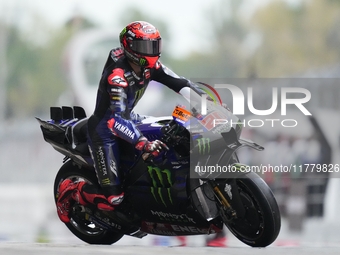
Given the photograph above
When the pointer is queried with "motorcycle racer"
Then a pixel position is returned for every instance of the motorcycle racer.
(125, 77)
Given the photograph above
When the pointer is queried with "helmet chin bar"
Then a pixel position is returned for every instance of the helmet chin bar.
(151, 61)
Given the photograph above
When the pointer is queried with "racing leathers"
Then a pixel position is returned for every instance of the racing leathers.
(119, 91)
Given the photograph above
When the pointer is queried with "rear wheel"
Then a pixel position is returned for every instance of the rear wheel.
(80, 224)
(260, 223)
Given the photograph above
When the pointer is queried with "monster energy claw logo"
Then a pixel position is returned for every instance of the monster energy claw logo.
(157, 174)
(106, 181)
(139, 94)
(142, 61)
(203, 145)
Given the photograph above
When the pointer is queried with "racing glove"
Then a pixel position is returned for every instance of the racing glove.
(152, 149)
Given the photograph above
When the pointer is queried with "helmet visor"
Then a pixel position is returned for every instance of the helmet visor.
(147, 47)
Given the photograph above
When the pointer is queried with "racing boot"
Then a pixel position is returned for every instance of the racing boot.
(83, 193)
(68, 192)
(91, 194)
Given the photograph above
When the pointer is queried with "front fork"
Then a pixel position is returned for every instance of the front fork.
(226, 210)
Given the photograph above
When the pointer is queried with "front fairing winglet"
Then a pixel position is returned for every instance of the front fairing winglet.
(251, 144)
(234, 142)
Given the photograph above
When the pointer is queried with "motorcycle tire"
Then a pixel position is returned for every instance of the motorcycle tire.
(84, 229)
(260, 225)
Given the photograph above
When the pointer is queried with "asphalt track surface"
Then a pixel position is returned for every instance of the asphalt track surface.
(84, 249)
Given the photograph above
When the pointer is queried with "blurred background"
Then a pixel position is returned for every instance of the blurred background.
(52, 54)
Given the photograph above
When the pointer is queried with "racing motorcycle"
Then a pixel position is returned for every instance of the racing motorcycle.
(173, 194)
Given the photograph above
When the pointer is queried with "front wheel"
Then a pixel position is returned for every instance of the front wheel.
(80, 225)
(260, 222)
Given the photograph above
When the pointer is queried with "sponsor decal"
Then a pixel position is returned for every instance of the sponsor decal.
(127, 74)
(139, 94)
(172, 229)
(162, 232)
(120, 95)
(203, 145)
(113, 167)
(116, 90)
(125, 130)
(157, 176)
(189, 229)
(116, 200)
(117, 103)
(132, 56)
(97, 221)
(209, 121)
(131, 33)
(116, 53)
(173, 217)
(101, 160)
(108, 221)
(117, 78)
(142, 61)
(180, 162)
(181, 114)
(147, 74)
(135, 75)
(106, 181)
(130, 78)
(148, 29)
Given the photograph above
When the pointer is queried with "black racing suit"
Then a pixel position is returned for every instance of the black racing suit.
(119, 91)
